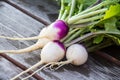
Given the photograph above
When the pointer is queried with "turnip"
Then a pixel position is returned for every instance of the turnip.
(76, 54)
(55, 31)
(51, 52)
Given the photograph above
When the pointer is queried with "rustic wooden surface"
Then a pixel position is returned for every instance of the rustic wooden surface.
(15, 23)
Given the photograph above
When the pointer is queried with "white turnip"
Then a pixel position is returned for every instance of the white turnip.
(54, 51)
(77, 54)
(56, 31)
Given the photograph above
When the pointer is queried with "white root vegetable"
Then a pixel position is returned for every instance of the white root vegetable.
(51, 52)
(55, 31)
(76, 54)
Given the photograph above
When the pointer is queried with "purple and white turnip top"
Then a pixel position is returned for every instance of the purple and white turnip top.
(55, 31)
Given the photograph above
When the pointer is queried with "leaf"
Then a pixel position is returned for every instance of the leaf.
(98, 39)
(114, 10)
(110, 24)
(87, 3)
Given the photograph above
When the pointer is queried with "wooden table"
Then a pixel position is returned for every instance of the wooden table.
(14, 22)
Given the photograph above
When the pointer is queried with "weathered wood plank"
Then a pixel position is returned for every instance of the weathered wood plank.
(14, 18)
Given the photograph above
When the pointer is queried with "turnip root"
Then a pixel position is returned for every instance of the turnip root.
(39, 44)
(17, 38)
(55, 31)
(28, 38)
(76, 54)
(51, 52)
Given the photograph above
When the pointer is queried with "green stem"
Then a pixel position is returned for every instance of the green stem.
(98, 6)
(79, 39)
(62, 9)
(85, 37)
(71, 21)
(72, 8)
(84, 24)
(89, 19)
(69, 34)
(73, 36)
(99, 46)
(80, 8)
(88, 10)
(90, 35)
(64, 15)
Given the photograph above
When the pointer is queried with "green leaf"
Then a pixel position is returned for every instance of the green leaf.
(98, 39)
(87, 3)
(114, 10)
(110, 24)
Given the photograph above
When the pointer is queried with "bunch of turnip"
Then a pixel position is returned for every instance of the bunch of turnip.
(76, 54)
(78, 24)
(54, 50)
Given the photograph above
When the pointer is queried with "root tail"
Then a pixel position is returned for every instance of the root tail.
(36, 71)
(39, 44)
(31, 68)
(17, 38)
